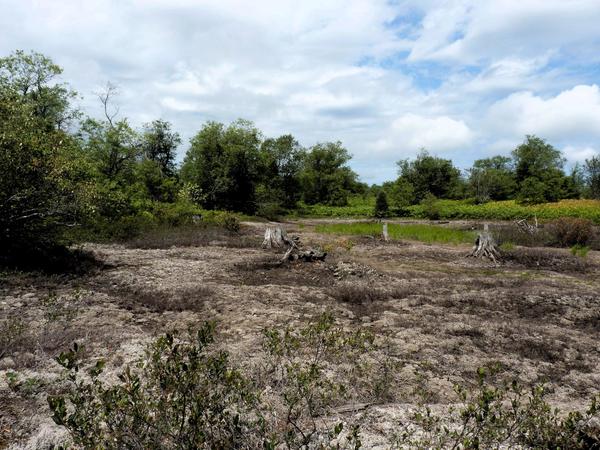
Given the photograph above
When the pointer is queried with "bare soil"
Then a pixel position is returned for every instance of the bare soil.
(442, 315)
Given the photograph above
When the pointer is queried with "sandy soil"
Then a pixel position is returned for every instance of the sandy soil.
(442, 316)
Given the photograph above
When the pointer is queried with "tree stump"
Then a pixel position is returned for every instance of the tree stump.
(385, 232)
(485, 246)
(275, 238)
(278, 238)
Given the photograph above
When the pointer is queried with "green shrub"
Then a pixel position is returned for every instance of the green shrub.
(580, 250)
(431, 209)
(381, 205)
(505, 416)
(186, 393)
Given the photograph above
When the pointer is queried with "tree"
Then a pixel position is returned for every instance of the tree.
(159, 144)
(430, 174)
(44, 184)
(492, 179)
(325, 177)
(400, 193)
(224, 164)
(592, 176)
(537, 160)
(381, 205)
(31, 78)
(281, 163)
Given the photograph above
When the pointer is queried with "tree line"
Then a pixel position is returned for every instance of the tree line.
(64, 171)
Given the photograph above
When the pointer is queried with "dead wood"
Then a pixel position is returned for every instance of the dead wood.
(485, 247)
(278, 238)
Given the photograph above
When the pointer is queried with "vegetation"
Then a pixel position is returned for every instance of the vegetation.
(69, 178)
(417, 232)
(186, 393)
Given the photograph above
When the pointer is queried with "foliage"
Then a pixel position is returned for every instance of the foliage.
(417, 232)
(492, 179)
(281, 163)
(186, 393)
(44, 187)
(430, 206)
(159, 144)
(430, 174)
(501, 416)
(580, 250)
(569, 231)
(381, 205)
(325, 176)
(592, 170)
(538, 172)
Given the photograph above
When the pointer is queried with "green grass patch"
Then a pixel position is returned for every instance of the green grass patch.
(417, 232)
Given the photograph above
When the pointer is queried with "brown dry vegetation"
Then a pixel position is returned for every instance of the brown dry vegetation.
(438, 315)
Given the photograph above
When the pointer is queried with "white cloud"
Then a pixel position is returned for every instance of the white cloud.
(579, 154)
(412, 132)
(572, 114)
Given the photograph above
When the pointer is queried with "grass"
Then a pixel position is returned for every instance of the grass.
(418, 232)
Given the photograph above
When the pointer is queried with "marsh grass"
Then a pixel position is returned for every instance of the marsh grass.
(419, 232)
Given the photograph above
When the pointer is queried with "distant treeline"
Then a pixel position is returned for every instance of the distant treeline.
(64, 173)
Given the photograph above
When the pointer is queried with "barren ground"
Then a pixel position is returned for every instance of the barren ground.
(441, 314)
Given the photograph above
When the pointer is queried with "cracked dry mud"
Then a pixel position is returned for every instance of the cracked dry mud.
(438, 311)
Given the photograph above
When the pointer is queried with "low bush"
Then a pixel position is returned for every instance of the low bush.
(570, 231)
(505, 416)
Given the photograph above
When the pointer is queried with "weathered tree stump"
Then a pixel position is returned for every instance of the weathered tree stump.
(485, 246)
(385, 232)
(278, 238)
(275, 238)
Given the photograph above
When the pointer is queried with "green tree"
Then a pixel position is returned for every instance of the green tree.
(224, 163)
(159, 144)
(44, 184)
(381, 205)
(592, 176)
(281, 163)
(400, 193)
(430, 174)
(536, 159)
(32, 79)
(492, 179)
(326, 177)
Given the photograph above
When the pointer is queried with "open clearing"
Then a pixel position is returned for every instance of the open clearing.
(440, 314)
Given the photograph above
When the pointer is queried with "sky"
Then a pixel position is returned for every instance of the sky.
(465, 79)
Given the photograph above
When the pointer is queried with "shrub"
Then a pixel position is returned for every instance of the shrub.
(580, 250)
(431, 209)
(186, 393)
(506, 416)
(381, 205)
(569, 231)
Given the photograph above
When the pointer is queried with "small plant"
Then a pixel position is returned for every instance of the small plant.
(502, 416)
(186, 394)
(507, 246)
(580, 250)
(12, 331)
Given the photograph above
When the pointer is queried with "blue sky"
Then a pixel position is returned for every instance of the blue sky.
(465, 79)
